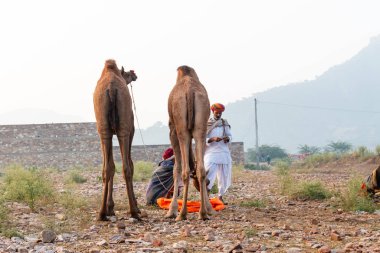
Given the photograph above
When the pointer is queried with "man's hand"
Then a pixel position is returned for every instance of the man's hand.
(217, 139)
(226, 139)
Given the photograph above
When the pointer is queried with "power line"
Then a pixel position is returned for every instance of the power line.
(319, 107)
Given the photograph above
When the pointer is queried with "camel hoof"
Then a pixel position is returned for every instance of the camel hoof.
(180, 217)
(111, 213)
(170, 215)
(203, 217)
(136, 216)
(102, 217)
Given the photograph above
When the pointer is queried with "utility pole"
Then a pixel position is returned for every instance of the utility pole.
(257, 137)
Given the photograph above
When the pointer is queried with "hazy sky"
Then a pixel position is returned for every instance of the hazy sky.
(52, 52)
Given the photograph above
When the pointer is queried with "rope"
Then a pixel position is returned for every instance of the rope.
(138, 124)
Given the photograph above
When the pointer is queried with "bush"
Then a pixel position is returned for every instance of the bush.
(356, 199)
(266, 150)
(255, 167)
(311, 191)
(363, 153)
(143, 171)
(28, 186)
(76, 177)
(320, 159)
(253, 203)
(377, 149)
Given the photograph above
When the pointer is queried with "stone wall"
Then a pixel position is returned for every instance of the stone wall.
(69, 145)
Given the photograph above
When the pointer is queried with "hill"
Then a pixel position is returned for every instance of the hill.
(342, 104)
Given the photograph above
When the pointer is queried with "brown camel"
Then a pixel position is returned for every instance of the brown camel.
(189, 109)
(114, 115)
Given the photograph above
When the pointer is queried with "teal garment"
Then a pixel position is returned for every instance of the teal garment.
(161, 184)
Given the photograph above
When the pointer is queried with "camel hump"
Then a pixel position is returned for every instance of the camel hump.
(186, 70)
(110, 66)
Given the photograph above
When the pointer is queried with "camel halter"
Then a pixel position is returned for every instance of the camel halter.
(138, 124)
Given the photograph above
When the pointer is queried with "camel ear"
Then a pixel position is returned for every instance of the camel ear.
(122, 70)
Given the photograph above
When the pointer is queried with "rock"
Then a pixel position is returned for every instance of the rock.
(349, 245)
(144, 214)
(276, 232)
(148, 237)
(314, 221)
(294, 250)
(116, 239)
(48, 236)
(102, 243)
(335, 237)
(253, 248)
(132, 220)
(94, 250)
(180, 245)
(209, 237)
(120, 225)
(316, 245)
(324, 249)
(60, 216)
(235, 248)
(186, 231)
(285, 236)
(361, 231)
(23, 250)
(157, 243)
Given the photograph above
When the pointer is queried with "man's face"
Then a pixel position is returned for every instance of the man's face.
(217, 114)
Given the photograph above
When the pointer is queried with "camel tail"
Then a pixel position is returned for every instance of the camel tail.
(190, 110)
(112, 113)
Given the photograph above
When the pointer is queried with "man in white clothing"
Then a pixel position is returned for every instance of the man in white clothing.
(218, 162)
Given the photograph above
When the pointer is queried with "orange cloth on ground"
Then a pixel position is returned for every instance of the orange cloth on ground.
(192, 206)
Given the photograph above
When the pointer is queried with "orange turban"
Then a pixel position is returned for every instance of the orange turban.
(217, 107)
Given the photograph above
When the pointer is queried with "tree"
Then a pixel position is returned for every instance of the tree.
(338, 147)
(266, 150)
(305, 149)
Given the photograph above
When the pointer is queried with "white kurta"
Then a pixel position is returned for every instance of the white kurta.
(218, 162)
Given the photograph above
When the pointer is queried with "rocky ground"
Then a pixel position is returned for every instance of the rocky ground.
(279, 224)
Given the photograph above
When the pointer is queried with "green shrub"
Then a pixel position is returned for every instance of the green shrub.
(7, 229)
(377, 149)
(76, 177)
(250, 232)
(143, 171)
(320, 159)
(255, 167)
(363, 153)
(253, 203)
(26, 185)
(214, 189)
(310, 190)
(71, 201)
(355, 199)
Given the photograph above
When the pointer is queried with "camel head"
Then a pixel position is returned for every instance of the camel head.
(186, 71)
(128, 76)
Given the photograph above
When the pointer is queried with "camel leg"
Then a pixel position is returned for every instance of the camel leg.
(206, 207)
(184, 142)
(125, 151)
(132, 166)
(110, 203)
(106, 178)
(173, 208)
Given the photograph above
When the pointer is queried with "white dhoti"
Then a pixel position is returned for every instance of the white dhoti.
(223, 173)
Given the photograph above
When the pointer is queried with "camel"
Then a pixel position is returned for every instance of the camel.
(114, 115)
(189, 110)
